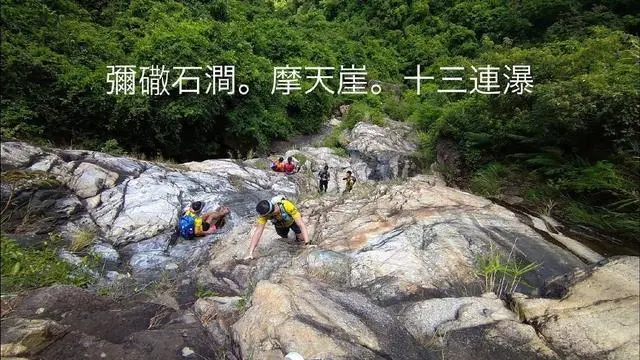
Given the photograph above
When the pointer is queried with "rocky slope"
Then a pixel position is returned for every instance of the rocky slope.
(392, 273)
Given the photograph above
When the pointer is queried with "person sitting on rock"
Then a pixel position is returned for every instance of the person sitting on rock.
(291, 165)
(350, 181)
(285, 217)
(193, 224)
(324, 179)
(278, 165)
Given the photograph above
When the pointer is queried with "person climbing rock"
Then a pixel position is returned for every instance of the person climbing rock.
(324, 179)
(285, 217)
(193, 224)
(350, 180)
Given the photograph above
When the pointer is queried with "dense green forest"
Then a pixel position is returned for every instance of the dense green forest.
(570, 146)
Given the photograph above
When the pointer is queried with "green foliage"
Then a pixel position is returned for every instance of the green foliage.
(25, 268)
(489, 180)
(203, 293)
(569, 133)
(112, 147)
(362, 112)
(502, 275)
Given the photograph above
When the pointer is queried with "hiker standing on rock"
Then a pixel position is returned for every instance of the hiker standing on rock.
(284, 215)
(350, 181)
(324, 179)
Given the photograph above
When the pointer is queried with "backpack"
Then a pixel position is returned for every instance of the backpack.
(187, 225)
(277, 201)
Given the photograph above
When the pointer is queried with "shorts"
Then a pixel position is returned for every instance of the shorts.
(284, 231)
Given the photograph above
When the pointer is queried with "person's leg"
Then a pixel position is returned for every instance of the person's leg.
(211, 218)
(283, 232)
(214, 216)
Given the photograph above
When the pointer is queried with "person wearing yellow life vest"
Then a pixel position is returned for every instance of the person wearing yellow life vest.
(285, 217)
(193, 224)
(350, 180)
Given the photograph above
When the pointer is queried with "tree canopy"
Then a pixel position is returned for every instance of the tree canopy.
(572, 141)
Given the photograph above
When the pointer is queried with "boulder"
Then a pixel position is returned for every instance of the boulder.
(388, 151)
(319, 322)
(598, 318)
(17, 155)
(417, 240)
(28, 336)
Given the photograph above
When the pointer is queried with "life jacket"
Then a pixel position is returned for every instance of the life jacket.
(285, 218)
(187, 224)
(324, 175)
(279, 166)
(350, 180)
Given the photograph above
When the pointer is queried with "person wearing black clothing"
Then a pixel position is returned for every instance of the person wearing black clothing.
(324, 179)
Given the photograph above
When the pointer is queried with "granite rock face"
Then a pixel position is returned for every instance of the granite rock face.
(392, 272)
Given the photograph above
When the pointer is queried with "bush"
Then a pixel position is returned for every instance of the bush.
(25, 268)
(489, 181)
(112, 147)
(359, 112)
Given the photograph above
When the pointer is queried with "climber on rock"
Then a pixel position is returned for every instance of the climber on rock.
(285, 217)
(192, 223)
(350, 180)
(324, 179)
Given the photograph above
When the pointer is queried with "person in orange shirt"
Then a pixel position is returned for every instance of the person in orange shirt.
(278, 165)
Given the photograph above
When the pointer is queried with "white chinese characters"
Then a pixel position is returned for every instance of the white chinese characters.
(351, 80)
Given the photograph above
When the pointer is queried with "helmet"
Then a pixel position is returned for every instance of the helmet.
(197, 206)
(264, 207)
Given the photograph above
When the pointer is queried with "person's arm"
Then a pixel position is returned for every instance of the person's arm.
(255, 239)
(303, 229)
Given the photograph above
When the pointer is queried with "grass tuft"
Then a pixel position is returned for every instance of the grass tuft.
(502, 276)
(81, 239)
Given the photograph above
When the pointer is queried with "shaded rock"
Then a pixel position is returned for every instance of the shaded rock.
(449, 161)
(598, 318)
(387, 151)
(502, 340)
(101, 328)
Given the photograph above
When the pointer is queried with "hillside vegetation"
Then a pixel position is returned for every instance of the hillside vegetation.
(569, 147)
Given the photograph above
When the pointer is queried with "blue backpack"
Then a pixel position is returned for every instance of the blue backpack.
(187, 225)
